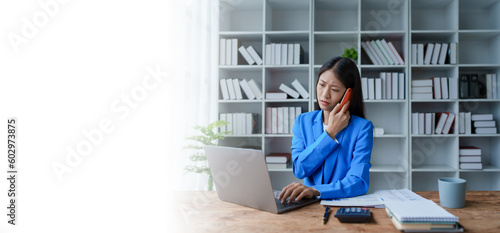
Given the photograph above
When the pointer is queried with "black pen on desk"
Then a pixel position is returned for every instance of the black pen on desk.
(327, 214)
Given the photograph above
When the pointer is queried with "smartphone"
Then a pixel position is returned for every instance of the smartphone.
(347, 97)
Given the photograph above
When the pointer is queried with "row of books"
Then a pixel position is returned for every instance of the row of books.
(389, 85)
(381, 52)
(280, 120)
(435, 88)
(297, 91)
(432, 123)
(480, 86)
(239, 123)
(278, 160)
(231, 89)
(228, 53)
(476, 123)
(470, 157)
(435, 53)
(284, 54)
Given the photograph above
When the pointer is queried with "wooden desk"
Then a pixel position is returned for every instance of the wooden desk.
(202, 211)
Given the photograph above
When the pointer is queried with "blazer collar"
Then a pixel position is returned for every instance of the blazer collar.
(318, 125)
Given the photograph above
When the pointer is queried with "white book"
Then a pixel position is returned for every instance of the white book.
(482, 117)
(234, 51)
(389, 52)
(297, 54)
(237, 89)
(277, 54)
(469, 159)
(222, 52)
(421, 90)
(371, 88)
(269, 52)
(280, 120)
(302, 91)
(284, 54)
(486, 130)
(290, 54)
(428, 123)
(421, 96)
(444, 88)
(421, 123)
(489, 86)
(414, 54)
(383, 81)
(273, 54)
(222, 117)
(453, 53)
(433, 119)
(298, 111)
(388, 85)
(286, 120)
(449, 123)
(440, 123)
(453, 87)
(395, 86)
(420, 54)
(396, 54)
(229, 126)
(269, 119)
(230, 88)
(435, 53)
(414, 123)
(246, 55)
(469, 151)
(274, 120)
(276, 96)
(437, 87)
(256, 57)
(289, 91)
(236, 129)
(384, 52)
(364, 87)
(255, 89)
(291, 118)
(495, 85)
(379, 52)
(374, 52)
(428, 53)
(401, 83)
(468, 123)
(484, 124)
(223, 89)
(422, 83)
(378, 89)
(461, 122)
(471, 166)
(242, 123)
(249, 123)
(369, 53)
(229, 44)
(443, 53)
(247, 90)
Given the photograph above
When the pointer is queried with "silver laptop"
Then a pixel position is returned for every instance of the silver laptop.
(241, 177)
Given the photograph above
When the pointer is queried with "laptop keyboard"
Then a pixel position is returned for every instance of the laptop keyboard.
(291, 205)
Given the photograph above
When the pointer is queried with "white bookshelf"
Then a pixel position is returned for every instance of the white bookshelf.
(324, 28)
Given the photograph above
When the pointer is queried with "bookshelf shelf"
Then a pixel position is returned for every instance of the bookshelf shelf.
(324, 28)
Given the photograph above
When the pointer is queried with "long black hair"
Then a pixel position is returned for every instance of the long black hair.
(347, 72)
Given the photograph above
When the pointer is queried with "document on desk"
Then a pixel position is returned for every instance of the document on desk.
(375, 199)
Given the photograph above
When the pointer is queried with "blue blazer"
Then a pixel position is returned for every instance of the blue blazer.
(336, 170)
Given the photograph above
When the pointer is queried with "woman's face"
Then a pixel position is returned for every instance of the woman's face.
(329, 90)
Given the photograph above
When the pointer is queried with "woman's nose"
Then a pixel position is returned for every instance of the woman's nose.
(325, 94)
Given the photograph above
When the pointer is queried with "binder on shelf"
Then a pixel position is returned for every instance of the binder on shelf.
(443, 53)
(448, 125)
(364, 87)
(395, 86)
(401, 83)
(269, 119)
(444, 88)
(222, 52)
(414, 54)
(290, 54)
(237, 89)
(246, 55)
(414, 123)
(284, 54)
(292, 117)
(428, 53)
(474, 86)
(420, 54)
(453, 87)
(378, 88)
(280, 120)
(464, 86)
(468, 123)
(489, 86)
(223, 89)
(230, 88)
(388, 85)
(229, 44)
(234, 51)
(371, 88)
(461, 122)
(274, 120)
(267, 58)
(254, 55)
(481, 86)
(440, 123)
(255, 89)
(428, 121)
(421, 123)
(298, 54)
(277, 54)
(302, 91)
(452, 54)
(437, 87)
(383, 82)
(247, 90)
(435, 53)
(286, 120)
(289, 91)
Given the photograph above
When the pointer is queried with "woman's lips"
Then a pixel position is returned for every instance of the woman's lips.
(323, 102)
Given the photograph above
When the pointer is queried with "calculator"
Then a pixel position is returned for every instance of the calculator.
(353, 214)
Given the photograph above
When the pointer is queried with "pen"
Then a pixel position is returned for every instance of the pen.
(327, 214)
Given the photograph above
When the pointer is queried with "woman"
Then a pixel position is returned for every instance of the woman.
(331, 147)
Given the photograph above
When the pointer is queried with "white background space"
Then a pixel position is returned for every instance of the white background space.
(64, 81)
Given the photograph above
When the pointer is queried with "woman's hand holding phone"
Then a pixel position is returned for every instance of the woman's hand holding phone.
(339, 116)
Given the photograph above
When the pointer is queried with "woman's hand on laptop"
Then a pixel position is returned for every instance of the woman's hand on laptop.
(296, 191)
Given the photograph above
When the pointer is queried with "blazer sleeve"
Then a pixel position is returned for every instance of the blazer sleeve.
(306, 160)
(357, 179)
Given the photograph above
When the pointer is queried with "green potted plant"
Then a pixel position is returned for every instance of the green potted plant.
(351, 53)
(210, 135)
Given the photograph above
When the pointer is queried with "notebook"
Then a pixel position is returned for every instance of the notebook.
(419, 211)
